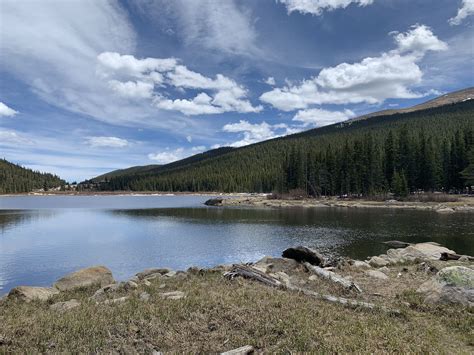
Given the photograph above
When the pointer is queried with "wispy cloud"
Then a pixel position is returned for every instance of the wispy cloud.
(466, 10)
(109, 142)
(317, 7)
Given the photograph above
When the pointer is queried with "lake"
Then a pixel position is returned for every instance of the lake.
(45, 237)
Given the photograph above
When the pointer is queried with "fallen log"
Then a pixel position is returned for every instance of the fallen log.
(345, 301)
(451, 256)
(249, 272)
(304, 254)
(397, 244)
(333, 277)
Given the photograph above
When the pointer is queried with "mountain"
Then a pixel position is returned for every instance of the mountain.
(16, 179)
(447, 99)
(421, 148)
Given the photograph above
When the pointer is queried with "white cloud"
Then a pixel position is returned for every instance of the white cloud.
(52, 46)
(466, 10)
(270, 81)
(254, 132)
(167, 156)
(418, 40)
(132, 89)
(189, 139)
(7, 111)
(316, 7)
(371, 80)
(318, 117)
(155, 74)
(110, 142)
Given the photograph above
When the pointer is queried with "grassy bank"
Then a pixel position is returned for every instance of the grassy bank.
(219, 315)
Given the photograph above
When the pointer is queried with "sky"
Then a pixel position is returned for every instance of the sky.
(90, 86)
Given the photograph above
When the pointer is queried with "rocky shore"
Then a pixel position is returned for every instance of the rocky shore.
(301, 301)
(464, 204)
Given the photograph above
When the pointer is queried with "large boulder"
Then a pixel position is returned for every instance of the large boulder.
(420, 251)
(453, 284)
(62, 307)
(96, 275)
(32, 293)
(304, 254)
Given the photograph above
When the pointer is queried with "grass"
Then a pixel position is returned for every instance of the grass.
(219, 315)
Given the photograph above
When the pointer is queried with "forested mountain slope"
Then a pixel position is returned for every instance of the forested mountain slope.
(425, 149)
(15, 179)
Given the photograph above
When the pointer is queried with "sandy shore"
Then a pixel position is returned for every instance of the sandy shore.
(464, 204)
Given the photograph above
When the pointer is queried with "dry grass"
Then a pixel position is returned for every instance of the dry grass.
(219, 315)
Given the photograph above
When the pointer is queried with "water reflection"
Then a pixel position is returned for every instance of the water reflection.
(37, 247)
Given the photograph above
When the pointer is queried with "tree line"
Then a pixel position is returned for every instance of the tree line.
(427, 150)
(17, 179)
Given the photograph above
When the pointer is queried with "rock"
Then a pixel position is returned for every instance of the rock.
(244, 350)
(464, 258)
(427, 267)
(174, 295)
(116, 300)
(376, 274)
(451, 285)
(313, 278)
(32, 293)
(261, 267)
(102, 293)
(281, 276)
(96, 275)
(65, 306)
(459, 276)
(420, 251)
(131, 285)
(377, 261)
(144, 296)
(384, 269)
(304, 254)
(170, 274)
(142, 275)
(396, 244)
(360, 264)
(146, 283)
(214, 202)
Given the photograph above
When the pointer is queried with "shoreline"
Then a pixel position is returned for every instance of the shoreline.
(464, 204)
(275, 304)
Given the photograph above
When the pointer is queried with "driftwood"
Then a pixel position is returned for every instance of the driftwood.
(345, 301)
(251, 273)
(450, 256)
(304, 254)
(332, 276)
(244, 350)
(397, 244)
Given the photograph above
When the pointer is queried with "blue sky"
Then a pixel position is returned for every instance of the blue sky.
(88, 86)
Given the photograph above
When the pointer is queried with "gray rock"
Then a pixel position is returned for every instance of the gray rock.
(174, 295)
(360, 264)
(142, 275)
(170, 274)
(103, 292)
(131, 285)
(376, 274)
(146, 283)
(144, 296)
(377, 261)
(96, 275)
(451, 285)
(32, 293)
(65, 306)
(445, 210)
(384, 269)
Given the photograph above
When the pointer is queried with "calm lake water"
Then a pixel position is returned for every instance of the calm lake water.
(44, 237)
